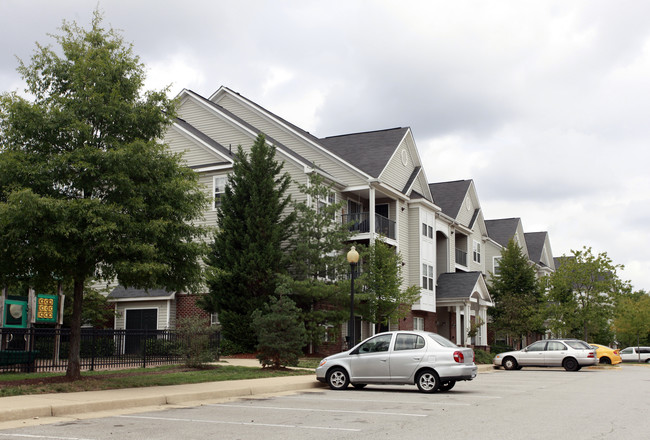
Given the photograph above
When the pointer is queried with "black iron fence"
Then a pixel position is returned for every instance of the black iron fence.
(46, 349)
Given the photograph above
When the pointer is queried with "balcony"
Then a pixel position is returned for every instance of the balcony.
(461, 257)
(360, 224)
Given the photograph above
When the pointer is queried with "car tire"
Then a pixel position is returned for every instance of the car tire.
(427, 381)
(338, 379)
(446, 386)
(605, 360)
(359, 386)
(570, 364)
(510, 363)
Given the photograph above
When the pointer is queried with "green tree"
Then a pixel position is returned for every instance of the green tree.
(315, 260)
(86, 190)
(248, 251)
(517, 294)
(280, 332)
(632, 319)
(583, 292)
(382, 300)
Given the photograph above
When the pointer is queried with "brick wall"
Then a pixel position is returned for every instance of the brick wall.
(186, 308)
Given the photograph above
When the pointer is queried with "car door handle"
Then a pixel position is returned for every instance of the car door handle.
(416, 359)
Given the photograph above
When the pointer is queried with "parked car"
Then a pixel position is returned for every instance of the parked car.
(606, 355)
(572, 354)
(635, 354)
(426, 359)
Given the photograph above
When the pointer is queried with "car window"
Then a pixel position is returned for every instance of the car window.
(628, 350)
(645, 350)
(537, 346)
(555, 346)
(578, 345)
(374, 345)
(408, 342)
(440, 340)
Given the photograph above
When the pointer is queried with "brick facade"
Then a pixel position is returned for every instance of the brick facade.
(186, 307)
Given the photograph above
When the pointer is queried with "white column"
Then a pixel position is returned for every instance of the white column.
(459, 328)
(468, 321)
(371, 214)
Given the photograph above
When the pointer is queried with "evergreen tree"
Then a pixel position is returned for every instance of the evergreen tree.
(316, 261)
(382, 299)
(86, 189)
(517, 294)
(583, 293)
(280, 332)
(247, 253)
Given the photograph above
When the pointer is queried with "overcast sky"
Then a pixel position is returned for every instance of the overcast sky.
(543, 103)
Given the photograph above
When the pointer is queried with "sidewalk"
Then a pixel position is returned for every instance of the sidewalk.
(71, 404)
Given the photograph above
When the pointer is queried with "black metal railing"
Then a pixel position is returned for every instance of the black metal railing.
(461, 257)
(360, 224)
(46, 349)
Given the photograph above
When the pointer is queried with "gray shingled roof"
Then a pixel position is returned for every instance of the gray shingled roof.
(535, 243)
(456, 285)
(121, 292)
(450, 195)
(205, 138)
(502, 230)
(369, 151)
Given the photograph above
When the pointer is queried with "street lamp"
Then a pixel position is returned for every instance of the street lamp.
(353, 259)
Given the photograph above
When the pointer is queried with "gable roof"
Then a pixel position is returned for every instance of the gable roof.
(457, 286)
(535, 242)
(368, 151)
(123, 293)
(502, 230)
(450, 195)
(205, 139)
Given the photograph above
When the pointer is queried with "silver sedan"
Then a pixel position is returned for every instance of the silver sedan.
(572, 354)
(401, 357)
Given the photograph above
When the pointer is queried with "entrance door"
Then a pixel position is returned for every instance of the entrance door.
(139, 319)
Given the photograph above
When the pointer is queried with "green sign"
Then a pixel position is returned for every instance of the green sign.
(15, 313)
(47, 308)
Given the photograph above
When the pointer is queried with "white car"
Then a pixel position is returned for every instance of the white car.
(426, 359)
(635, 354)
(572, 354)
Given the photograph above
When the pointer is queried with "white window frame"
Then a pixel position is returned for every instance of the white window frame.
(214, 319)
(418, 323)
(322, 202)
(495, 265)
(215, 188)
(427, 276)
(476, 252)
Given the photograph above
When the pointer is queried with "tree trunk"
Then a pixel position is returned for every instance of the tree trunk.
(74, 366)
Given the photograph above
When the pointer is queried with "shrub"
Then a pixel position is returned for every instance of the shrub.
(194, 342)
(483, 357)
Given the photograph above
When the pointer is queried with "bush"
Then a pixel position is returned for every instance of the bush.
(163, 347)
(228, 348)
(194, 342)
(483, 357)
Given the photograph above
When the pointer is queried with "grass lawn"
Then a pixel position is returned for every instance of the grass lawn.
(15, 384)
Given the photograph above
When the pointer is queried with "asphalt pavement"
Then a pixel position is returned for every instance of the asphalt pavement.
(39, 406)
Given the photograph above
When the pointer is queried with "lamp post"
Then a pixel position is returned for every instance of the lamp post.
(353, 259)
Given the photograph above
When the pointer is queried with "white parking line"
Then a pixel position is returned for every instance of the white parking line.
(320, 399)
(322, 410)
(47, 437)
(222, 422)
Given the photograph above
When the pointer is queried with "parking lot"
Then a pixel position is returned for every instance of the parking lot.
(533, 403)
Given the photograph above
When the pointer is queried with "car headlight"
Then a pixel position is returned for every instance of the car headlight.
(323, 362)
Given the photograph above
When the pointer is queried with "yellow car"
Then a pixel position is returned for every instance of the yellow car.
(606, 355)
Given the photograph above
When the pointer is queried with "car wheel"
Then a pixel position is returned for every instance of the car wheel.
(359, 386)
(647, 361)
(570, 364)
(337, 379)
(510, 363)
(427, 381)
(446, 386)
(605, 360)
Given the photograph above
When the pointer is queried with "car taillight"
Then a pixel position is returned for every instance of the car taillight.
(458, 357)
(591, 354)
(616, 352)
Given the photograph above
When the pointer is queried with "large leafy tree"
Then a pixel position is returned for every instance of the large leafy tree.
(517, 294)
(86, 189)
(632, 319)
(383, 300)
(316, 260)
(248, 249)
(583, 293)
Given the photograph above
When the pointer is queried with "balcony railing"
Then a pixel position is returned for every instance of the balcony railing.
(360, 224)
(461, 257)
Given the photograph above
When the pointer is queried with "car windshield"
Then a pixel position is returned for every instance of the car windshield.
(578, 345)
(442, 341)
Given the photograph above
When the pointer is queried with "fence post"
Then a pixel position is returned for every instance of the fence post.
(144, 350)
(92, 349)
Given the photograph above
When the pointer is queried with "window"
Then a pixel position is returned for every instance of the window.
(219, 184)
(496, 265)
(408, 342)
(214, 318)
(427, 277)
(378, 344)
(555, 346)
(324, 202)
(537, 346)
(427, 230)
(418, 323)
(477, 252)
